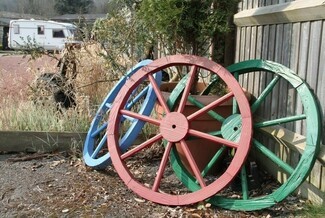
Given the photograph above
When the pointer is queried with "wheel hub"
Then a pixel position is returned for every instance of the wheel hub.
(232, 127)
(174, 127)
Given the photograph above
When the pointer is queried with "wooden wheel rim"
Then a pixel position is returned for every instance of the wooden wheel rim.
(307, 159)
(91, 148)
(116, 153)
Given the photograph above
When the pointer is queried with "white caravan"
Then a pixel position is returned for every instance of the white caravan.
(50, 35)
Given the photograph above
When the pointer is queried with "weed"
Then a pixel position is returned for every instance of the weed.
(312, 211)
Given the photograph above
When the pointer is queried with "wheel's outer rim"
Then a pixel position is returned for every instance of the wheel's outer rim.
(206, 192)
(307, 160)
(146, 108)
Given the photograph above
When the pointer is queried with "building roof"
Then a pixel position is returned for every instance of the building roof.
(6, 16)
(89, 18)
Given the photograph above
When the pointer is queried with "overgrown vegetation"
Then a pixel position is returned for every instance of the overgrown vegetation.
(312, 211)
(132, 31)
(187, 26)
(28, 116)
(41, 112)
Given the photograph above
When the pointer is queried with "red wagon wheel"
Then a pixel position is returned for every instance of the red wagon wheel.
(150, 174)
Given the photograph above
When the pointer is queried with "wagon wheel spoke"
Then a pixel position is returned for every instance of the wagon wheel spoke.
(160, 97)
(212, 113)
(140, 147)
(265, 93)
(100, 146)
(213, 160)
(174, 128)
(244, 182)
(280, 121)
(140, 117)
(187, 89)
(137, 98)
(234, 102)
(211, 106)
(269, 154)
(193, 164)
(209, 137)
(162, 167)
(99, 130)
(95, 154)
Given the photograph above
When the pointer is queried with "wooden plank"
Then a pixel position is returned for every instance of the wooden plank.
(250, 4)
(242, 50)
(28, 141)
(302, 68)
(321, 79)
(252, 55)
(287, 39)
(245, 4)
(322, 187)
(240, 6)
(284, 96)
(267, 109)
(289, 12)
(238, 44)
(293, 140)
(262, 82)
(314, 53)
(306, 190)
(293, 65)
(260, 3)
(242, 43)
(247, 54)
(315, 175)
(312, 193)
(258, 55)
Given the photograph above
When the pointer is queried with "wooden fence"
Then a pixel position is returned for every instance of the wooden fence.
(291, 33)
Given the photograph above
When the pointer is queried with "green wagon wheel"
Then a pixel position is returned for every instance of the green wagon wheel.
(309, 118)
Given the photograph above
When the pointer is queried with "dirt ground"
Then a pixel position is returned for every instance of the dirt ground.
(60, 185)
(16, 72)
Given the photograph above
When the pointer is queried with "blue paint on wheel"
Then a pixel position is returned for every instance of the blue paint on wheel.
(95, 151)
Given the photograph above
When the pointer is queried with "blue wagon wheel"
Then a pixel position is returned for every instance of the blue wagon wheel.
(309, 118)
(95, 152)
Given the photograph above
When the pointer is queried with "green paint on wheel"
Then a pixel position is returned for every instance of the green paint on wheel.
(297, 175)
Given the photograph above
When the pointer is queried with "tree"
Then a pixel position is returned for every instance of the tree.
(187, 26)
(73, 6)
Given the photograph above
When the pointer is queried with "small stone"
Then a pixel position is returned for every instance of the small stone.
(65, 210)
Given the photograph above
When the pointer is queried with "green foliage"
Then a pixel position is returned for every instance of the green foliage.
(312, 211)
(73, 6)
(122, 37)
(187, 26)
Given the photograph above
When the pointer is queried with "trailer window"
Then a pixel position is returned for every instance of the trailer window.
(58, 34)
(16, 28)
(40, 30)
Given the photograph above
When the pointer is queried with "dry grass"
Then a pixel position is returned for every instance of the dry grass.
(29, 109)
(28, 116)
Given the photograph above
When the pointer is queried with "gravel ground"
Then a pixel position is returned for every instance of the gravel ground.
(60, 185)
